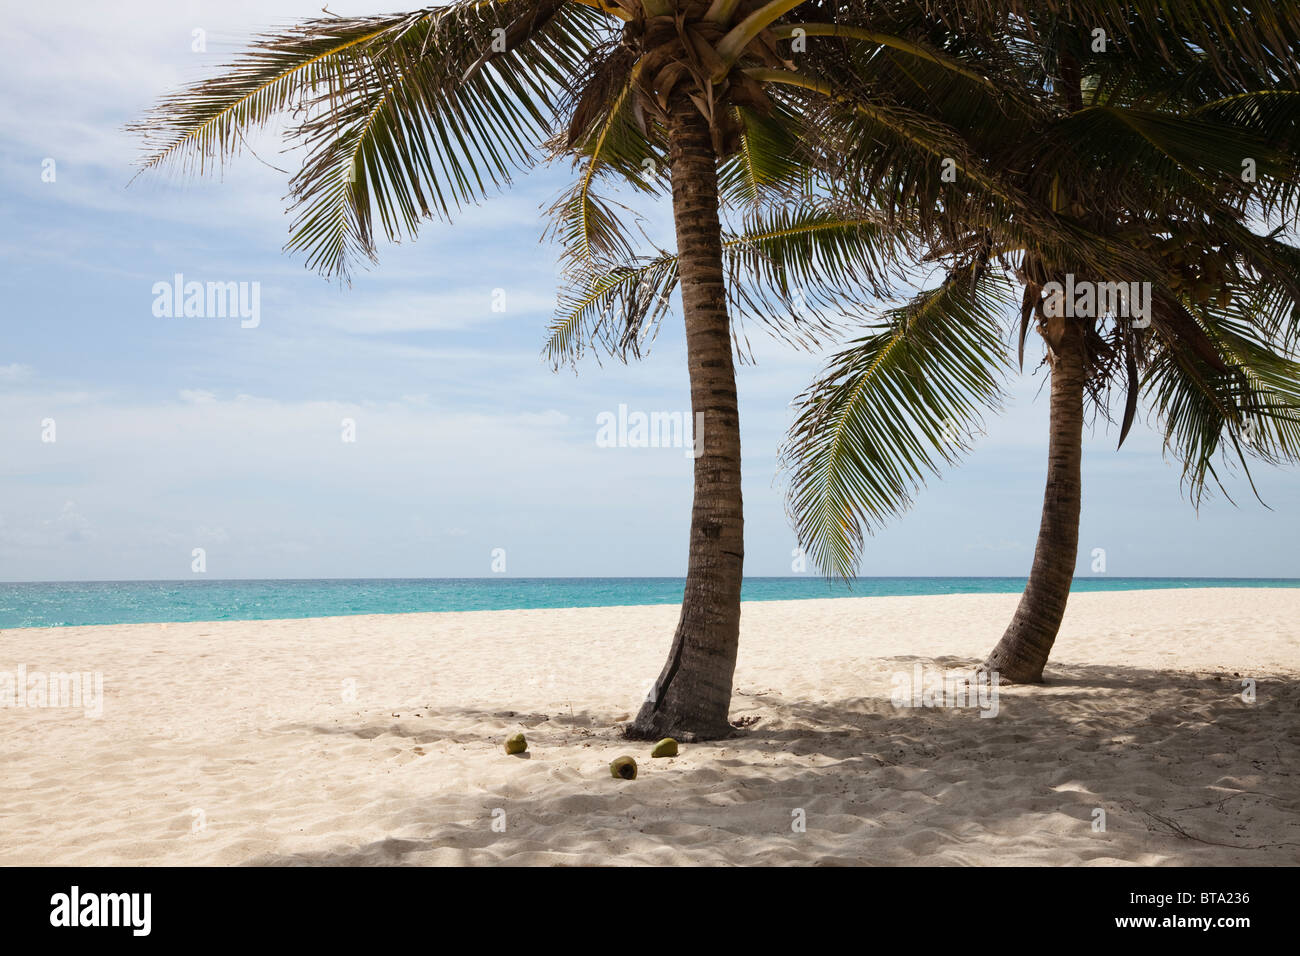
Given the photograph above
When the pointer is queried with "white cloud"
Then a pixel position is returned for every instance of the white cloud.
(15, 372)
(451, 310)
(546, 419)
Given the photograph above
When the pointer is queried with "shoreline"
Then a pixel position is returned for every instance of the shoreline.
(387, 615)
(1184, 585)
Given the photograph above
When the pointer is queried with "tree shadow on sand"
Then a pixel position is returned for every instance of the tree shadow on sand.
(1101, 765)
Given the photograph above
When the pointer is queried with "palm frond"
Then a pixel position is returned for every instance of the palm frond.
(406, 117)
(769, 160)
(617, 308)
(889, 410)
(795, 268)
(207, 122)
(798, 267)
(1252, 410)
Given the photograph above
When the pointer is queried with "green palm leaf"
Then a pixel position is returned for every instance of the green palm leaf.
(889, 409)
(407, 117)
(794, 268)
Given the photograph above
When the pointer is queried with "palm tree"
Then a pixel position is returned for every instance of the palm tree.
(1140, 152)
(1251, 384)
(413, 115)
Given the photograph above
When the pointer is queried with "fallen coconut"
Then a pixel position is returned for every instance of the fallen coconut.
(516, 744)
(665, 748)
(624, 767)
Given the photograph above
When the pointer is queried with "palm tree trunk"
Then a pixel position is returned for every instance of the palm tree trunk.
(1021, 654)
(692, 695)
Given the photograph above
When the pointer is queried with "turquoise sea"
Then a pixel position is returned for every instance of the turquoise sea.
(48, 604)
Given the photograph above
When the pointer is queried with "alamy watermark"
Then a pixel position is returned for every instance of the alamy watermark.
(41, 689)
(1085, 299)
(128, 910)
(935, 688)
(626, 429)
(211, 300)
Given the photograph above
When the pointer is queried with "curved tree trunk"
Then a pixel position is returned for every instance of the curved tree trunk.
(1021, 654)
(692, 695)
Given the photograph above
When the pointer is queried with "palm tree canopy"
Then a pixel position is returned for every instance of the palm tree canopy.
(1140, 159)
(412, 115)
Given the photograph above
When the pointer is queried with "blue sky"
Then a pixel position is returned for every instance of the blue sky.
(178, 433)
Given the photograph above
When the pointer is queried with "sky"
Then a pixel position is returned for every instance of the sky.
(174, 433)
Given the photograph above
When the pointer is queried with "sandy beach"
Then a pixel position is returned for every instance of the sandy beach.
(378, 740)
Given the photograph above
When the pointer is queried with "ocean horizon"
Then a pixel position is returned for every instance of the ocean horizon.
(81, 603)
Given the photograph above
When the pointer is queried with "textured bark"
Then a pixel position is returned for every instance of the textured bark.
(692, 695)
(1021, 654)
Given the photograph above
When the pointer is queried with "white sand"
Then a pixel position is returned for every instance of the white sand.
(243, 727)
